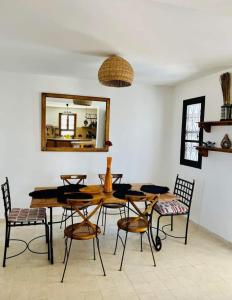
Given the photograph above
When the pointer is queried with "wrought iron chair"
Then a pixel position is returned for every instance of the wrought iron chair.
(136, 224)
(121, 207)
(84, 230)
(68, 180)
(183, 190)
(16, 217)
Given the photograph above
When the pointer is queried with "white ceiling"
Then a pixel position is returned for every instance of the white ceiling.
(166, 41)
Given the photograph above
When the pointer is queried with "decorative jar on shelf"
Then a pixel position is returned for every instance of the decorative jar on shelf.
(226, 142)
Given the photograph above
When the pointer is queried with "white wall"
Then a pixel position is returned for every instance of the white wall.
(212, 204)
(137, 126)
(145, 126)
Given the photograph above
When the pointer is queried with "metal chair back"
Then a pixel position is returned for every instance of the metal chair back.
(184, 190)
(6, 197)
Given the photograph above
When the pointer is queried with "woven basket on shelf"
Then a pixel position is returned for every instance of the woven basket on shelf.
(116, 71)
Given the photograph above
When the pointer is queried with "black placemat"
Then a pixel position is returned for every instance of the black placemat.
(58, 192)
(123, 194)
(121, 186)
(154, 189)
(73, 196)
(40, 194)
(70, 188)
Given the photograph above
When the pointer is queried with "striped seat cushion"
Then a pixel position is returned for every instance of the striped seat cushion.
(174, 207)
(27, 215)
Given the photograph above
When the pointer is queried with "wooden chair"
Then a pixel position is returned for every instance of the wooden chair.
(73, 179)
(183, 190)
(136, 224)
(120, 207)
(68, 180)
(84, 230)
(16, 217)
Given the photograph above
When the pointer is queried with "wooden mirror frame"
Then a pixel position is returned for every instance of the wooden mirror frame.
(44, 147)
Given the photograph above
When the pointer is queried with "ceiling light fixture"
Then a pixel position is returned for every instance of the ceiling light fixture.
(67, 111)
(116, 72)
(82, 102)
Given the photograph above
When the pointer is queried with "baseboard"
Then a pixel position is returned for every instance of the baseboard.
(213, 234)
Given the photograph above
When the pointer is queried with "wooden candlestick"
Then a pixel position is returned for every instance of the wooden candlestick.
(108, 177)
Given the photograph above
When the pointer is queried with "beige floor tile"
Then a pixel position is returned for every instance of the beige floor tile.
(202, 270)
(111, 294)
(147, 296)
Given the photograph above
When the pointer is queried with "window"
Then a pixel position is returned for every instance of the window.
(192, 135)
(67, 124)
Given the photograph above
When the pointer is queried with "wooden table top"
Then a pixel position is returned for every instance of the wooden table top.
(107, 197)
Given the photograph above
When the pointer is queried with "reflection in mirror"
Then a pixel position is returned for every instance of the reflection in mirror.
(78, 124)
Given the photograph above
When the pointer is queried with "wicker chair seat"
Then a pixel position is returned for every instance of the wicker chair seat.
(133, 224)
(82, 231)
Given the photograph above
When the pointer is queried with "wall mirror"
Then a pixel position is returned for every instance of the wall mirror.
(74, 123)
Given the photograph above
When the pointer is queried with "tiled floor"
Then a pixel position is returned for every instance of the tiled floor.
(201, 270)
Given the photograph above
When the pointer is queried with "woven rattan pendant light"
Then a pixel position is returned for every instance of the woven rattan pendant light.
(116, 72)
(82, 102)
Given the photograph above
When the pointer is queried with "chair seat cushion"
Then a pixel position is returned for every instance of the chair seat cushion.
(174, 207)
(26, 215)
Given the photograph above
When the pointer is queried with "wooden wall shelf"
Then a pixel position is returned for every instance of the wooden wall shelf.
(207, 125)
(204, 150)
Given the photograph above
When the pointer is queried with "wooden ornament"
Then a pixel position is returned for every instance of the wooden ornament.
(108, 177)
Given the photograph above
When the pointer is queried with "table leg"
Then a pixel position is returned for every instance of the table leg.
(51, 236)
